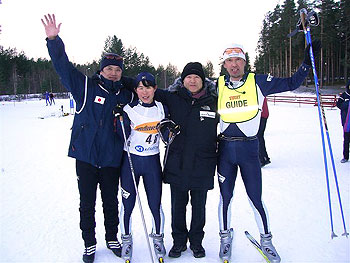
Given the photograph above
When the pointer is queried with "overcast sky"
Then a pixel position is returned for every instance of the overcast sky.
(164, 30)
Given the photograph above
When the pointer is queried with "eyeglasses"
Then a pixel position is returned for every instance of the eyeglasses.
(111, 56)
(236, 50)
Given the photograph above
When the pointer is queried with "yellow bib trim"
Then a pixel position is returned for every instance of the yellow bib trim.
(238, 105)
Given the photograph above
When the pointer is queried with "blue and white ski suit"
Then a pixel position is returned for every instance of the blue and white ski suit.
(239, 147)
(140, 120)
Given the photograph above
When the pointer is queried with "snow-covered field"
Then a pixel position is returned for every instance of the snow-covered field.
(39, 217)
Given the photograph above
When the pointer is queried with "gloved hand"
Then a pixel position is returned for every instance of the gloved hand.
(167, 125)
(316, 47)
(118, 110)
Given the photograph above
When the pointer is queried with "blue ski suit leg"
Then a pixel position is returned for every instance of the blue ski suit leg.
(150, 169)
(245, 155)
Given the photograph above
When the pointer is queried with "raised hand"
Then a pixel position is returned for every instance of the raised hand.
(50, 26)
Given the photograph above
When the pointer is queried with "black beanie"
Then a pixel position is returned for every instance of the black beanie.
(193, 68)
(111, 59)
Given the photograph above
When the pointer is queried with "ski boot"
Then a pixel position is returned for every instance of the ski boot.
(268, 249)
(127, 248)
(158, 245)
(225, 245)
(89, 254)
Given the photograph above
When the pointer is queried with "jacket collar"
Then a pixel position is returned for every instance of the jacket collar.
(109, 85)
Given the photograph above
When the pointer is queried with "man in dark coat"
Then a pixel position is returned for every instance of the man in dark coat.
(94, 145)
(191, 163)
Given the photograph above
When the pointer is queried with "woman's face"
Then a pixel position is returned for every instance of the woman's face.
(145, 94)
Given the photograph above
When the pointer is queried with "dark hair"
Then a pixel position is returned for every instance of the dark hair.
(147, 83)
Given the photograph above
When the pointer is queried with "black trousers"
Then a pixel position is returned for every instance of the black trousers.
(346, 145)
(88, 178)
(179, 201)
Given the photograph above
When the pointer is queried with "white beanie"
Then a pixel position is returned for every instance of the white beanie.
(234, 51)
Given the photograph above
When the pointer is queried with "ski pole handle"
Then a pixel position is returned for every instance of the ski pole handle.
(303, 14)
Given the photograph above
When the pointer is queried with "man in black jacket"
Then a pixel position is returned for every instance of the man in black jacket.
(191, 163)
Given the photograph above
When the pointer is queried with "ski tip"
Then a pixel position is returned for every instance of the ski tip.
(226, 261)
(127, 261)
(160, 260)
(246, 232)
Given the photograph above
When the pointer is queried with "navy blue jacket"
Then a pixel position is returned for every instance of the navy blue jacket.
(93, 139)
(343, 105)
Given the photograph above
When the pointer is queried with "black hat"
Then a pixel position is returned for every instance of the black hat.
(193, 68)
(111, 59)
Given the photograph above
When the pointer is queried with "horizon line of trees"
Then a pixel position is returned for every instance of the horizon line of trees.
(280, 55)
(21, 75)
(276, 53)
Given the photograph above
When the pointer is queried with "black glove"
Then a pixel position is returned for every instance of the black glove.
(118, 110)
(168, 125)
(316, 47)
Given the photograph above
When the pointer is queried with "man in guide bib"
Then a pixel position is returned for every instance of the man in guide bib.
(240, 99)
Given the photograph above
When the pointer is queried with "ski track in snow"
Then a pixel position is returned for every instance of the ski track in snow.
(39, 216)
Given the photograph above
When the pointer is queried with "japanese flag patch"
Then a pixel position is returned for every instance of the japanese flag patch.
(100, 100)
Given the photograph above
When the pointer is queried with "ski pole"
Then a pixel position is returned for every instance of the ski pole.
(328, 139)
(334, 170)
(307, 33)
(172, 134)
(167, 149)
(136, 190)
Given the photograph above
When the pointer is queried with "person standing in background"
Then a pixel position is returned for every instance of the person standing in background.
(343, 103)
(47, 98)
(263, 156)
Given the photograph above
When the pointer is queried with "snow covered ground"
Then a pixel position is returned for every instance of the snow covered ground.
(39, 217)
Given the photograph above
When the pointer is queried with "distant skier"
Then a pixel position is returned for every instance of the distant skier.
(47, 98)
(52, 100)
(140, 119)
(343, 103)
(240, 99)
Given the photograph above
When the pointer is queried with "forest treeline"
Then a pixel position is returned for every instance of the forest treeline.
(21, 75)
(276, 53)
(281, 55)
